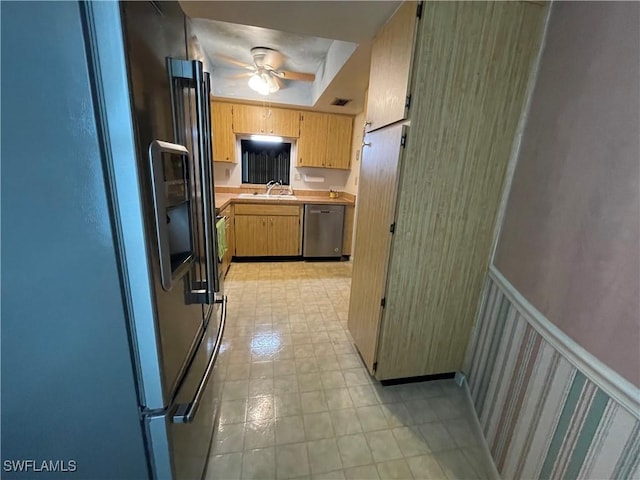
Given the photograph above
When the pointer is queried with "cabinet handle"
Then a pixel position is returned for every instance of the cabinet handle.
(364, 132)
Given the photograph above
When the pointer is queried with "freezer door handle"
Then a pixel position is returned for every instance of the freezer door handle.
(203, 87)
(190, 73)
(205, 290)
(186, 412)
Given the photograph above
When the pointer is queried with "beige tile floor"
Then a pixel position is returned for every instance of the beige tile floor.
(297, 402)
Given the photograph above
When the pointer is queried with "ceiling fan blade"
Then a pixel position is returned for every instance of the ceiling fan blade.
(278, 81)
(305, 77)
(240, 75)
(274, 59)
(233, 61)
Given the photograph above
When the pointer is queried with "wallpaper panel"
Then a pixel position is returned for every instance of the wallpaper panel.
(542, 417)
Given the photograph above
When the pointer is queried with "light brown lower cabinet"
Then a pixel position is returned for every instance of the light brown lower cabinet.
(347, 233)
(428, 201)
(251, 233)
(227, 213)
(267, 230)
(283, 235)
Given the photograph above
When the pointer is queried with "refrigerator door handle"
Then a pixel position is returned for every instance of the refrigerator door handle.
(186, 412)
(204, 89)
(206, 290)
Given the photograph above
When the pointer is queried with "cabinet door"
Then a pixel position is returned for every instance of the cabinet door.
(231, 237)
(284, 235)
(251, 235)
(339, 134)
(312, 146)
(284, 123)
(390, 73)
(248, 119)
(347, 234)
(449, 197)
(376, 210)
(224, 140)
(230, 233)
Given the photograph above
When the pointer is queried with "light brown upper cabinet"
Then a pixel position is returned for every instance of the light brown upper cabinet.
(282, 122)
(325, 140)
(248, 119)
(339, 134)
(428, 198)
(312, 144)
(253, 119)
(391, 62)
(224, 140)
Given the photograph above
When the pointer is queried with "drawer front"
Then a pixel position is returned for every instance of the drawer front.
(226, 212)
(266, 209)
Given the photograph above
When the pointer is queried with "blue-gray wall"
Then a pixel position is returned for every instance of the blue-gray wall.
(68, 389)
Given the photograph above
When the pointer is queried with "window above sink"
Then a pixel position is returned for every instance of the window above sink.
(265, 161)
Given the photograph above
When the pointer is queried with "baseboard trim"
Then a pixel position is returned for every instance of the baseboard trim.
(613, 384)
(421, 378)
(493, 474)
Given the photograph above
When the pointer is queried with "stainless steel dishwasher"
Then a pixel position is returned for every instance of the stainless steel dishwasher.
(322, 233)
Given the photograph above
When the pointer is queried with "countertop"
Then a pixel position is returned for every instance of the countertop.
(224, 199)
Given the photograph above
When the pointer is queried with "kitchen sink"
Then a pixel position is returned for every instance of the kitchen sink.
(264, 196)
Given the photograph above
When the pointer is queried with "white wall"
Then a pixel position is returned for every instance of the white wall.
(356, 154)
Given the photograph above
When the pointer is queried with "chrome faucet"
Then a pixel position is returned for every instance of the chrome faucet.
(271, 185)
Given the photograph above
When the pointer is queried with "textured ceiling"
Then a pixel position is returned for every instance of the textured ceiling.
(302, 53)
(350, 21)
(330, 39)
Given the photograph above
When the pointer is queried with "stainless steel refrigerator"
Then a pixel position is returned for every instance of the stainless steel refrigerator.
(107, 196)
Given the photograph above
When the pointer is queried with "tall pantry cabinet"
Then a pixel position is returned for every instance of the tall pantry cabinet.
(447, 88)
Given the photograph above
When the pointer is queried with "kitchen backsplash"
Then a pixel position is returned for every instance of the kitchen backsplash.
(230, 175)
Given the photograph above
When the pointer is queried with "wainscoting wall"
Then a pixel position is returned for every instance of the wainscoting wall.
(546, 408)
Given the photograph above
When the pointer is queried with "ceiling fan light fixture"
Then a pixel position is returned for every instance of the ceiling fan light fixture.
(263, 83)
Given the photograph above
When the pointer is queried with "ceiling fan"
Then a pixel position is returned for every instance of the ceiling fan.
(265, 75)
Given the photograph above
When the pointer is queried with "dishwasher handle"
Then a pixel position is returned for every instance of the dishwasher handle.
(321, 210)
